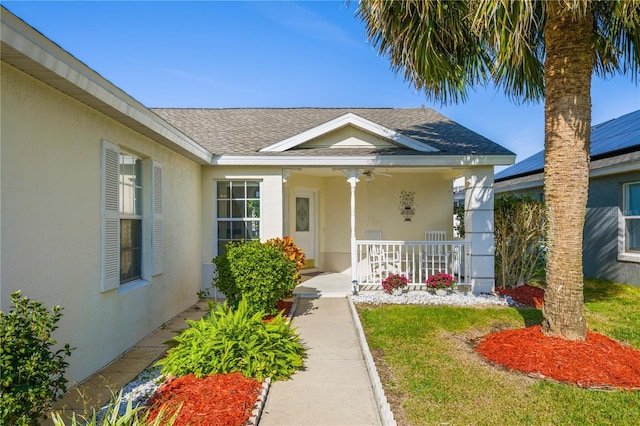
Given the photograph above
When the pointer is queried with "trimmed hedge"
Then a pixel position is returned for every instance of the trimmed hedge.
(259, 272)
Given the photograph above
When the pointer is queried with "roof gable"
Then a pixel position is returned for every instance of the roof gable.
(310, 137)
(242, 133)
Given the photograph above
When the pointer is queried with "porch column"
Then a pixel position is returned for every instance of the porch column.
(353, 180)
(478, 227)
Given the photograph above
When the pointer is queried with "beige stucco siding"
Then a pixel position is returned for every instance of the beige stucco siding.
(346, 137)
(51, 222)
(270, 199)
(377, 207)
(270, 208)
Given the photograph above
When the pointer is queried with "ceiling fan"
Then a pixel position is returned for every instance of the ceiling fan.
(369, 174)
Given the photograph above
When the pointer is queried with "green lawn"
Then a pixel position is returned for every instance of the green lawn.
(432, 375)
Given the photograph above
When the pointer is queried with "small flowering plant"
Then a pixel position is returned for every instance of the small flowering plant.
(394, 282)
(440, 280)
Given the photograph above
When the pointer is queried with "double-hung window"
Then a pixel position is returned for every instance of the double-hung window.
(631, 217)
(237, 211)
(130, 218)
(132, 226)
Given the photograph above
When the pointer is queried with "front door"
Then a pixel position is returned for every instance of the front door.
(305, 236)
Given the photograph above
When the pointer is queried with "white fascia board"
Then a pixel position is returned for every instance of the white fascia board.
(346, 120)
(368, 160)
(42, 51)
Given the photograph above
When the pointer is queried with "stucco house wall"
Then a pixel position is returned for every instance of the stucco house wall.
(600, 256)
(271, 208)
(601, 228)
(615, 161)
(377, 207)
(51, 222)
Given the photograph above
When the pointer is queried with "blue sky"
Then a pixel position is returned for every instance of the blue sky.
(273, 54)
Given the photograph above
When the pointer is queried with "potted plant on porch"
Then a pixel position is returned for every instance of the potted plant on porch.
(394, 284)
(440, 283)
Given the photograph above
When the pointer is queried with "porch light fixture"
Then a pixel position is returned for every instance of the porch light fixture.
(407, 205)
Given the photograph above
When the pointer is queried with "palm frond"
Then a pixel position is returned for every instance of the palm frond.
(431, 42)
(446, 48)
(514, 36)
(616, 39)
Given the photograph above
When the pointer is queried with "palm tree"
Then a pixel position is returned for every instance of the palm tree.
(532, 50)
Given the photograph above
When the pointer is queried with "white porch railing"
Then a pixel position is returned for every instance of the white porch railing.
(415, 259)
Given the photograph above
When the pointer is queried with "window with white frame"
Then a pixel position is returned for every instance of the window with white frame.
(237, 211)
(132, 226)
(631, 217)
(130, 218)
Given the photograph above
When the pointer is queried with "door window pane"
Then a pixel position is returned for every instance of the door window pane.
(302, 214)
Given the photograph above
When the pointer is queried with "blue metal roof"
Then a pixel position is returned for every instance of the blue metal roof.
(618, 134)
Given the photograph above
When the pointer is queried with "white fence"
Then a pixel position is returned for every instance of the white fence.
(415, 259)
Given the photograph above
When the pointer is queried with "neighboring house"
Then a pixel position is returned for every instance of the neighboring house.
(115, 211)
(612, 224)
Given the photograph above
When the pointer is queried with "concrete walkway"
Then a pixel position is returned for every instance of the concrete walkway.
(334, 387)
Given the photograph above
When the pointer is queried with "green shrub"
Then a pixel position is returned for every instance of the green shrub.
(31, 375)
(520, 223)
(258, 272)
(224, 280)
(290, 251)
(229, 340)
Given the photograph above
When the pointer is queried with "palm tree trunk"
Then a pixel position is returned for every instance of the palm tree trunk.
(568, 68)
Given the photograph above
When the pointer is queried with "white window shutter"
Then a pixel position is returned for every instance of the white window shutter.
(110, 217)
(158, 245)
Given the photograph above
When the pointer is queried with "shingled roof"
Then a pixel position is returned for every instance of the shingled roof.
(245, 131)
(612, 138)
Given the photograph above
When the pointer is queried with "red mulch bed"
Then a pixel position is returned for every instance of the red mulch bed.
(215, 400)
(283, 306)
(525, 295)
(597, 362)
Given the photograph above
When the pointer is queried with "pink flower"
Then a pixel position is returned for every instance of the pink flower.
(394, 281)
(440, 280)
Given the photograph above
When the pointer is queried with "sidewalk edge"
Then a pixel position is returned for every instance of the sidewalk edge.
(384, 409)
